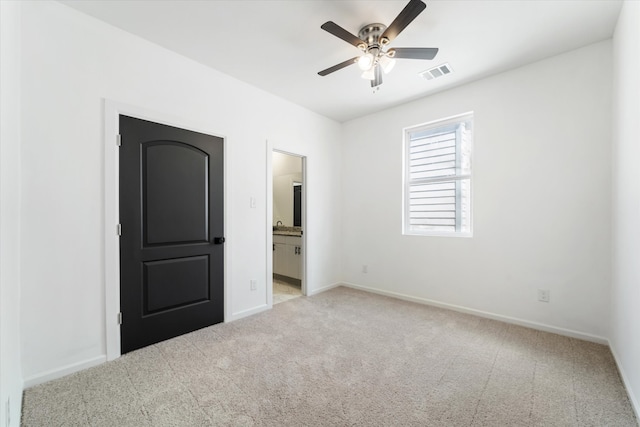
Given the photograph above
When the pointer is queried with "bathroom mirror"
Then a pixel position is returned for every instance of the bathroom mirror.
(287, 190)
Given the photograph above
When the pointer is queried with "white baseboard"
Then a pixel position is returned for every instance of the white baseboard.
(521, 322)
(323, 289)
(79, 366)
(635, 404)
(54, 374)
(249, 312)
(265, 307)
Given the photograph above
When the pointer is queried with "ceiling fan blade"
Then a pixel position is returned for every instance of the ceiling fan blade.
(408, 14)
(338, 31)
(377, 81)
(414, 52)
(339, 66)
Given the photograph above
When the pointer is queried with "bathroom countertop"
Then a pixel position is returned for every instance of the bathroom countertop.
(282, 230)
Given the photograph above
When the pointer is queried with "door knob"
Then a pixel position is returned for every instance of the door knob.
(218, 240)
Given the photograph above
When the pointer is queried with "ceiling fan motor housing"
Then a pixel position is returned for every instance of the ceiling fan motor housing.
(370, 34)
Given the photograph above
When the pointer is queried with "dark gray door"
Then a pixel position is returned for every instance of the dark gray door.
(171, 252)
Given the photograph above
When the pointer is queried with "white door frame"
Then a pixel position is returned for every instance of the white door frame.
(112, 112)
(269, 219)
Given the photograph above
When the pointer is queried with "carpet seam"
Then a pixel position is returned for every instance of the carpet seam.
(495, 358)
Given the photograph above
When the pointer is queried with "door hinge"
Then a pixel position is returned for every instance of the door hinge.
(119, 229)
(120, 318)
(118, 140)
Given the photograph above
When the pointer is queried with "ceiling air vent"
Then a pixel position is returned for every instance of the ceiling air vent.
(435, 72)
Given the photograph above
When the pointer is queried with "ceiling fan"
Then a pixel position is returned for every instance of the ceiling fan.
(373, 40)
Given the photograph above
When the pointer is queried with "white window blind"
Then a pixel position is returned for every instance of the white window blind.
(437, 196)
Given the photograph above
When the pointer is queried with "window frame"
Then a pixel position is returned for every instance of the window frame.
(436, 126)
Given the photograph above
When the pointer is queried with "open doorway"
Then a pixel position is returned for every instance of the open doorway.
(288, 226)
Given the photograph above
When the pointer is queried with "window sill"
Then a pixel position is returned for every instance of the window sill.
(436, 234)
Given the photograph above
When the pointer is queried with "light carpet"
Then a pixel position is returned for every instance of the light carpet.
(346, 358)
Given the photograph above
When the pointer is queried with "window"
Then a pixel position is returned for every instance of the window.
(437, 177)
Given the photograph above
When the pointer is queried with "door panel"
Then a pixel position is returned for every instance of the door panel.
(168, 168)
(171, 211)
(279, 259)
(173, 283)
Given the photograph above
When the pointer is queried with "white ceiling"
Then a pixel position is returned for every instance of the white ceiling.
(278, 46)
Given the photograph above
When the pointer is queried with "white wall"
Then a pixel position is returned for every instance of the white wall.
(70, 63)
(10, 364)
(287, 169)
(625, 318)
(541, 198)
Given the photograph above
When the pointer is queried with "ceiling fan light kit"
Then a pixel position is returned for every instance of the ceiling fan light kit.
(368, 74)
(387, 63)
(366, 61)
(373, 40)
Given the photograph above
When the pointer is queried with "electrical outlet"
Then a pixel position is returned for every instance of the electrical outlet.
(365, 268)
(254, 284)
(543, 295)
(252, 202)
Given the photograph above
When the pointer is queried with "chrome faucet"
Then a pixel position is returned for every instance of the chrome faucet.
(278, 223)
